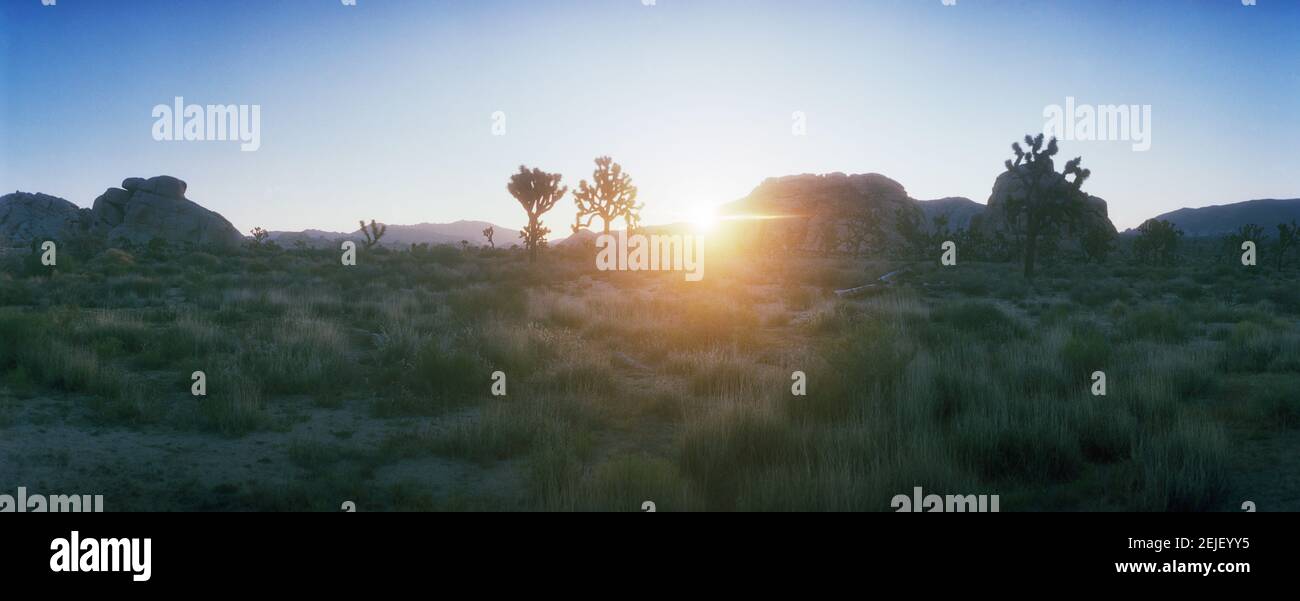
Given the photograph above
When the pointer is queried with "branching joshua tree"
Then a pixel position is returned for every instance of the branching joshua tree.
(373, 232)
(488, 233)
(909, 221)
(1232, 242)
(1097, 243)
(1287, 238)
(259, 235)
(610, 196)
(537, 191)
(1046, 200)
(1157, 241)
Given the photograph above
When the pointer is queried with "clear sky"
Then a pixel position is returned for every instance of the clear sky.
(384, 110)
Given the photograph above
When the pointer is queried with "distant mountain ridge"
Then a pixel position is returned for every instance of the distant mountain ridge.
(1219, 220)
(959, 209)
(405, 235)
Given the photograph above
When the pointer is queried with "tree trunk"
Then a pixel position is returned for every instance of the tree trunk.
(531, 239)
(1031, 249)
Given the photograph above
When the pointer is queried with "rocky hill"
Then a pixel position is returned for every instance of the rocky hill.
(1218, 220)
(834, 196)
(137, 213)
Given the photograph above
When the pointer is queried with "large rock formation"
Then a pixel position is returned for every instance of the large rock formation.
(142, 210)
(819, 198)
(835, 196)
(1006, 186)
(137, 213)
(25, 216)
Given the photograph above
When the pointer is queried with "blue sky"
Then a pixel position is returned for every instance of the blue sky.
(384, 110)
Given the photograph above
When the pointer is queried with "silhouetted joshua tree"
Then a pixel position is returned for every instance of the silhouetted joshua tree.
(1097, 243)
(909, 221)
(488, 233)
(1232, 242)
(372, 233)
(1157, 241)
(610, 196)
(537, 191)
(1287, 238)
(259, 235)
(1046, 199)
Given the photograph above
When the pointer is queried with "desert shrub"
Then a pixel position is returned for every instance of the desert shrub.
(135, 284)
(235, 405)
(18, 331)
(1183, 468)
(1086, 350)
(1250, 348)
(302, 355)
(624, 482)
(1276, 406)
(443, 370)
(1186, 289)
(870, 357)
(1105, 435)
(982, 319)
(580, 377)
(14, 293)
(1096, 294)
(446, 254)
(718, 451)
(1026, 441)
(475, 303)
(1154, 322)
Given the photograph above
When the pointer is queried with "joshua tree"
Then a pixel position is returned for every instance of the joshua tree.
(909, 222)
(1157, 241)
(488, 233)
(372, 233)
(1287, 237)
(537, 191)
(259, 235)
(1097, 243)
(611, 196)
(1046, 199)
(972, 241)
(1232, 242)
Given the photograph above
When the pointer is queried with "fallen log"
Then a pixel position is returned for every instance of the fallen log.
(889, 279)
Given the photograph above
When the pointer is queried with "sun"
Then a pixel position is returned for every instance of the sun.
(704, 219)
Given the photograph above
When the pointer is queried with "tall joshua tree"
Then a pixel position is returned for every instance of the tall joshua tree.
(1157, 241)
(373, 232)
(537, 191)
(1288, 235)
(488, 233)
(1046, 199)
(1249, 232)
(610, 196)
